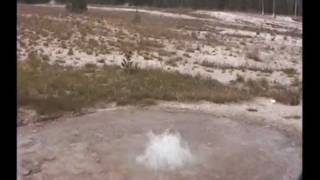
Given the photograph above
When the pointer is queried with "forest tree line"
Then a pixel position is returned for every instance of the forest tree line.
(289, 7)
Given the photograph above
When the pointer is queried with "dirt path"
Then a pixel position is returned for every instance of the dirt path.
(104, 145)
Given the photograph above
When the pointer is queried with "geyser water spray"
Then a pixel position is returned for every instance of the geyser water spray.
(166, 151)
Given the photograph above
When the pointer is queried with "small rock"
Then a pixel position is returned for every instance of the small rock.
(36, 163)
(252, 110)
(116, 175)
(75, 133)
(49, 157)
(95, 157)
(37, 124)
(289, 150)
(26, 172)
(98, 160)
(26, 143)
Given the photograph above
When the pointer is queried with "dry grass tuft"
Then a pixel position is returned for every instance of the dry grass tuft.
(241, 67)
(173, 61)
(290, 71)
(254, 55)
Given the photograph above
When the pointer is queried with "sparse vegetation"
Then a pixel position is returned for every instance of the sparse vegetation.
(286, 95)
(90, 66)
(257, 87)
(54, 89)
(173, 61)
(60, 61)
(162, 53)
(70, 52)
(198, 47)
(241, 67)
(194, 36)
(293, 117)
(186, 55)
(290, 71)
(254, 55)
(212, 41)
(240, 78)
(101, 61)
(190, 50)
(45, 57)
(296, 82)
(280, 93)
(147, 43)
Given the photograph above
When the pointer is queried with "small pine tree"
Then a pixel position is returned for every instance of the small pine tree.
(127, 63)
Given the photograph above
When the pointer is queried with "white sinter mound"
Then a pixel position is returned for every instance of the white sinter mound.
(165, 151)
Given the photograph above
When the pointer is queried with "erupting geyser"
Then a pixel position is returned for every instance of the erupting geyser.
(165, 151)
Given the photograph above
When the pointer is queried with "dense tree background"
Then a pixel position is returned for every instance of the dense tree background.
(282, 6)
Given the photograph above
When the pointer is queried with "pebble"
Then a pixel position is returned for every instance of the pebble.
(26, 142)
(37, 124)
(75, 133)
(289, 150)
(50, 157)
(95, 157)
(26, 172)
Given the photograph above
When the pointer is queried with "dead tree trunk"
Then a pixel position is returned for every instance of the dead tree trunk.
(295, 8)
(262, 7)
(274, 8)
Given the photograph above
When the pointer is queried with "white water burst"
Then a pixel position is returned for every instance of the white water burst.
(165, 151)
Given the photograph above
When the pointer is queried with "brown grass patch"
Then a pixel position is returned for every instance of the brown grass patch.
(53, 89)
(173, 61)
(230, 67)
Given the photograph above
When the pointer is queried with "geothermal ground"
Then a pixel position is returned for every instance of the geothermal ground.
(229, 83)
(106, 144)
